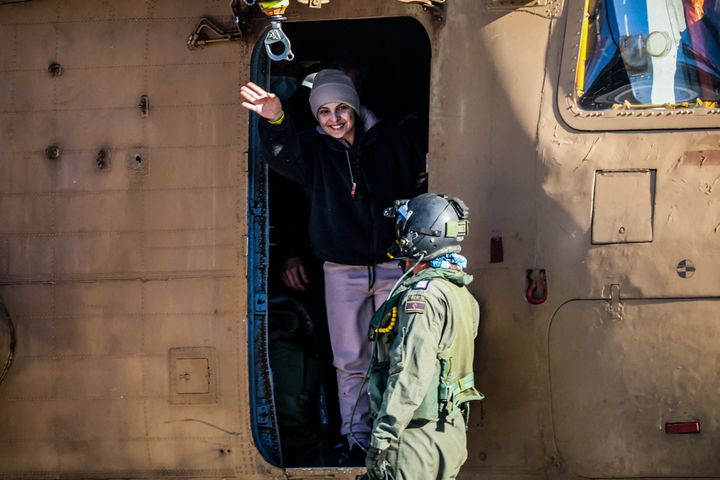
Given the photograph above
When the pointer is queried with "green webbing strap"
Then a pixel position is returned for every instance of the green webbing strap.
(468, 381)
(447, 392)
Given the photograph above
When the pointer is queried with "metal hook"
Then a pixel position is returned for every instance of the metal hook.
(276, 35)
(537, 289)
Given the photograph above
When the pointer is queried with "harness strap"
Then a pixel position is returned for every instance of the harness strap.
(448, 392)
(468, 381)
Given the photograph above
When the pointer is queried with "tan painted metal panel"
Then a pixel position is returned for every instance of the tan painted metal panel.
(487, 138)
(87, 88)
(34, 41)
(105, 270)
(94, 333)
(623, 204)
(25, 173)
(100, 43)
(628, 404)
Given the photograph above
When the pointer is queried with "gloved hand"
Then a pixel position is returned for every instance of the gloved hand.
(376, 463)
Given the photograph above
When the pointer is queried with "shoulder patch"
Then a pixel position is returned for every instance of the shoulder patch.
(415, 305)
(422, 284)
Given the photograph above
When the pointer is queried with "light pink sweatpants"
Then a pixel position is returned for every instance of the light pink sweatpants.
(352, 294)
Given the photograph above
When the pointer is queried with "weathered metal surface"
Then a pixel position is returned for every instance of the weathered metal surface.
(629, 404)
(108, 269)
(703, 158)
(623, 206)
(105, 270)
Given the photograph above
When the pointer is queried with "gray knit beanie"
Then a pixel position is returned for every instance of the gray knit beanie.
(333, 86)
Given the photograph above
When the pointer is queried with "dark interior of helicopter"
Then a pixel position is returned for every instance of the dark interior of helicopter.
(389, 61)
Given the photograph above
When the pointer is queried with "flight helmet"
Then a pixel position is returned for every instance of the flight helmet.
(428, 226)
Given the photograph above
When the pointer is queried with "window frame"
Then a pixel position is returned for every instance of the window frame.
(573, 115)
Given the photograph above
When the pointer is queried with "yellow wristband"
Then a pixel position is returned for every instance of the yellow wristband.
(279, 120)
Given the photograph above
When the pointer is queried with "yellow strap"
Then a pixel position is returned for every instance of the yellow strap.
(468, 381)
(279, 120)
(274, 4)
(274, 7)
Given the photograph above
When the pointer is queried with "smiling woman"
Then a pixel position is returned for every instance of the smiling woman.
(338, 121)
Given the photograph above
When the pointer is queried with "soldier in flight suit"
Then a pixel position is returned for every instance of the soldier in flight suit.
(421, 377)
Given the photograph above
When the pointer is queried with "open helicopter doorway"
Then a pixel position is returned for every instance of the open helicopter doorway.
(293, 388)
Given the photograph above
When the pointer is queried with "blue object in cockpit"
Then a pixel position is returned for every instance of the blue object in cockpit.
(652, 52)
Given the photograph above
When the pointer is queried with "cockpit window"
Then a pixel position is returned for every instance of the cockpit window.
(649, 54)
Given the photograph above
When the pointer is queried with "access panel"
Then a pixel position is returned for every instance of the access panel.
(622, 374)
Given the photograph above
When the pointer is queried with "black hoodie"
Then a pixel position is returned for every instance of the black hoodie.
(385, 162)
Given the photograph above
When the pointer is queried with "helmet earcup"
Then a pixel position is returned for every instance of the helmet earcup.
(436, 226)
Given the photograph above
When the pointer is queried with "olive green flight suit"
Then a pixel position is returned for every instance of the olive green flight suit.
(421, 375)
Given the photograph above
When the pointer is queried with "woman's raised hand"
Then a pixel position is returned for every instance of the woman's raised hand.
(257, 100)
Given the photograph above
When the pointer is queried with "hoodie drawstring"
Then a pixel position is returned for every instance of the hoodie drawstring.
(352, 178)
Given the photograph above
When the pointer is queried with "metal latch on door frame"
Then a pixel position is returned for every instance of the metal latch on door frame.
(275, 11)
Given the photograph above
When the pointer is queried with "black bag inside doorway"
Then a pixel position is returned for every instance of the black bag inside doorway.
(300, 401)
